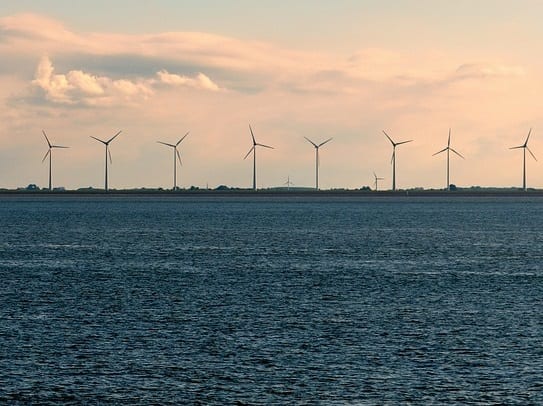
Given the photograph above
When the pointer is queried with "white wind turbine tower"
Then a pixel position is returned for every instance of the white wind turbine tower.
(377, 179)
(448, 149)
(176, 156)
(253, 150)
(524, 148)
(108, 153)
(317, 162)
(393, 160)
(50, 153)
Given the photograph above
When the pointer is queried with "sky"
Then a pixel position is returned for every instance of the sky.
(291, 69)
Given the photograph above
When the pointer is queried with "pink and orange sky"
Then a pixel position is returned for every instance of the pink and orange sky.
(346, 70)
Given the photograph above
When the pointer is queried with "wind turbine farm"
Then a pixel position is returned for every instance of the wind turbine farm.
(253, 150)
(354, 88)
(50, 154)
(525, 148)
(108, 155)
(448, 149)
(176, 157)
(177, 161)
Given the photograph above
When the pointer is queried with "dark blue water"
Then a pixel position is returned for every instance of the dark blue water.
(149, 300)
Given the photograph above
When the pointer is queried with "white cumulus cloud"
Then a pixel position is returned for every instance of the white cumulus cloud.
(79, 87)
(201, 81)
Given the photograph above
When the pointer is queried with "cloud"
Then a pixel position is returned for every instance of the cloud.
(56, 87)
(78, 87)
(34, 27)
(87, 84)
(482, 71)
(242, 64)
(201, 81)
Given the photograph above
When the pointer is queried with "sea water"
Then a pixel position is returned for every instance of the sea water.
(245, 300)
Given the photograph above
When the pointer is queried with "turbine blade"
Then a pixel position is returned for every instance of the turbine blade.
(403, 142)
(165, 143)
(315, 145)
(115, 136)
(393, 156)
(439, 152)
(390, 139)
(528, 137)
(520, 146)
(98, 139)
(457, 153)
(374, 175)
(110, 159)
(322, 143)
(47, 153)
(58, 146)
(184, 136)
(179, 157)
(47, 139)
(533, 156)
(248, 153)
(449, 141)
(265, 146)
(252, 135)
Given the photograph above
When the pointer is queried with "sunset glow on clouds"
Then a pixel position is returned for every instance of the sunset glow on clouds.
(80, 87)
(159, 84)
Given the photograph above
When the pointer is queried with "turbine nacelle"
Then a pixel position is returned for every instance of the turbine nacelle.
(395, 144)
(174, 146)
(51, 146)
(255, 144)
(108, 141)
(317, 146)
(376, 177)
(448, 148)
(525, 145)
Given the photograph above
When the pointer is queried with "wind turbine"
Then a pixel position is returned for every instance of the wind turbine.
(108, 153)
(524, 148)
(253, 150)
(393, 160)
(176, 156)
(49, 152)
(377, 179)
(317, 162)
(448, 149)
(288, 183)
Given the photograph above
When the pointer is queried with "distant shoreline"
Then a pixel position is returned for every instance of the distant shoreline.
(275, 193)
